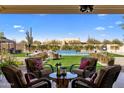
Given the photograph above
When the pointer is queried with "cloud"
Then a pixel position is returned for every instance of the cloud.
(102, 15)
(17, 26)
(100, 28)
(110, 26)
(118, 22)
(21, 30)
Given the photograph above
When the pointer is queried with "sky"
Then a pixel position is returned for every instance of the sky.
(60, 26)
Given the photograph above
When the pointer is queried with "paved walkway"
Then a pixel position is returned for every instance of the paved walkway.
(120, 81)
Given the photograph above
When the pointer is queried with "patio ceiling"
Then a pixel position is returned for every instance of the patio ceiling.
(60, 9)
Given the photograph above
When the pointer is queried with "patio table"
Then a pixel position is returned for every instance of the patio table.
(62, 82)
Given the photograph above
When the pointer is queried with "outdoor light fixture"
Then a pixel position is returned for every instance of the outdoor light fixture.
(86, 8)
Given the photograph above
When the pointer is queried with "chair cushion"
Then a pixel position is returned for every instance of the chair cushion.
(35, 63)
(84, 63)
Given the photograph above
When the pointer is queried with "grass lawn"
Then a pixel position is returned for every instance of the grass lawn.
(20, 55)
(67, 61)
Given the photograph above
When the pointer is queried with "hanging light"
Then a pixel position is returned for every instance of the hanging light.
(86, 8)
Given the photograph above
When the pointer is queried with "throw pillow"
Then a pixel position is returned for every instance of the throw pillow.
(38, 64)
(84, 63)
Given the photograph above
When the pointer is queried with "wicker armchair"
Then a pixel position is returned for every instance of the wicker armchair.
(88, 70)
(104, 79)
(17, 79)
(39, 70)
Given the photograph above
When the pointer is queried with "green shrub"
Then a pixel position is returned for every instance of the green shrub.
(10, 60)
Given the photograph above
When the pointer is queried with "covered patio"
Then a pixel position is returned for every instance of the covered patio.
(59, 9)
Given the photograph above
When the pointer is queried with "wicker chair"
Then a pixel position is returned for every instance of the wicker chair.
(17, 79)
(88, 70)
(104, 79)
(39, 72)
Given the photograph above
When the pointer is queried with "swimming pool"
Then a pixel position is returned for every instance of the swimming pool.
(72, 53)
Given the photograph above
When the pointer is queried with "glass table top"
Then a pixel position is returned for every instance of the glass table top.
(69, 75)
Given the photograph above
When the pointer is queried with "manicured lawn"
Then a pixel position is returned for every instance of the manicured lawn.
(20, 55)
(67, 61)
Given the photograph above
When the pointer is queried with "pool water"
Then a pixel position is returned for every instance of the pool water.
(72, 52)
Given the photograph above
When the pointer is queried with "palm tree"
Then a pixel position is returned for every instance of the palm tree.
(29, 39)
